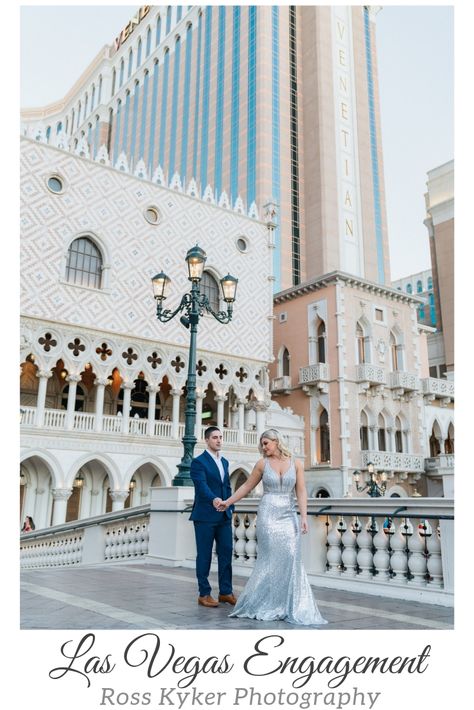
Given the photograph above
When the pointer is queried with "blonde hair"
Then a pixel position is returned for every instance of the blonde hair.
(274, 435)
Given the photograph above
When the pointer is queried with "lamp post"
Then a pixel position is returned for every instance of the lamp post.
(193, 305)
(376, 487)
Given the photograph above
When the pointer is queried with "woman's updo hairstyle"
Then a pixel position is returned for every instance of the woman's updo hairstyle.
(274, 435)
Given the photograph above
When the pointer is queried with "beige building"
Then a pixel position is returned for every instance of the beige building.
(352, 359)
(439, 221)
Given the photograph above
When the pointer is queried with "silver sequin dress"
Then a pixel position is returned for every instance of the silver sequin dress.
(278, 587)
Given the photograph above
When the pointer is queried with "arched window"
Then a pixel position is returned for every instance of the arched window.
(80, 398)
(322, 493)
(84, 263)
(432, 309)
(158, 31)
(398, 436)
(139, 399)
(364, 432)
(78, 114)
(114, 79)
(59, 127)
(382, 440)
(430, 283)
(139, 53)
(396, 353)
(72, 120)
(435, 448)
(122, 69)
(363, 345)
(409, 288)
(168, 19)
(321, 335)
(210, 288)
(449, 442)
(324, 441)
(285, 363)
(419, 286)
(48, 133)
(93, 92)
(130, 64)
(85, 106)
(148, 42)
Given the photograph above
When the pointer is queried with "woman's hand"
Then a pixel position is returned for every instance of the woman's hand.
(304, 526)
(223, 505)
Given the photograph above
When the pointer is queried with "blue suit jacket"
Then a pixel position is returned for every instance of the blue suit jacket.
(207, 486)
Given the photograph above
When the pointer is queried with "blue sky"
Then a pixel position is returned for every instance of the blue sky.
(415, 61)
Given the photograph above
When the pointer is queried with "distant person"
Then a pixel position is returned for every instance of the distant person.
(28, 525)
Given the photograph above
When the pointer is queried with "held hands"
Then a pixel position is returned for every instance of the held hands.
(223, 506)
(216, 503)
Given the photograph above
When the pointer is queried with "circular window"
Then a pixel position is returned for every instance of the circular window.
(242, 244)
(55, 184)
(152, 215)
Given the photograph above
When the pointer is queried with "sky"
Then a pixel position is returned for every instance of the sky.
(415, 61)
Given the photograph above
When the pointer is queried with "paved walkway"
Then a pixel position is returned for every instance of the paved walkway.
(149, 596)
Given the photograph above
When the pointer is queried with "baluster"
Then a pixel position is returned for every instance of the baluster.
(349, 553)
(398, 560)
(382, 555)
(365, 556)
(145, 539)
(108, 546)
(251, 546)
(334, 551)
(417, 559)
(239, 544)
(435, 563)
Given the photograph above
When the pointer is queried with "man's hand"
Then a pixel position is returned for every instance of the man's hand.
(217, 502)
(223, 506)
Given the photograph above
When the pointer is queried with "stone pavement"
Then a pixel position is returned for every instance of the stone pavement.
(150, 596)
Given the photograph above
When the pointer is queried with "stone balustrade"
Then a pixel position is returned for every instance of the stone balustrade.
(371, 374)
(437, 388)
(281, 384)
(403, 381)
(313, 374)
(393, 461)
(400, 548)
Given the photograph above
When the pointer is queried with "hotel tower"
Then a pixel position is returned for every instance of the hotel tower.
(258, 105)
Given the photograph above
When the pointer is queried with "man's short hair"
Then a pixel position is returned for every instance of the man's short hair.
(209, 431)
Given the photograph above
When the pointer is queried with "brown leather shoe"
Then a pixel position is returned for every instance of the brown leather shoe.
(207, 601)
(229, 598)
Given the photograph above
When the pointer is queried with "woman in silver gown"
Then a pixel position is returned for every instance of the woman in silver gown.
(278, 587)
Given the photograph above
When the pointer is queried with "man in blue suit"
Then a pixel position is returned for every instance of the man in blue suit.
(210, 474)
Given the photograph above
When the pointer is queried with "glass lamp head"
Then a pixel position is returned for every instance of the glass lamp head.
(229, 288)
(196, 258)
(160, 283)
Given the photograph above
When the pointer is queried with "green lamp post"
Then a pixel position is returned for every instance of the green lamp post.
(193, 305)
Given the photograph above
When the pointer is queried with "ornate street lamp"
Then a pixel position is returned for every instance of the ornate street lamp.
(193, 305)
(79, 480)
(376, 485)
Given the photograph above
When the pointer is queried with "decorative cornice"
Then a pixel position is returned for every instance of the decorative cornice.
(335, 277)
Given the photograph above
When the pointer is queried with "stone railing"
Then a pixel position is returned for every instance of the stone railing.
(312, 374)
(436, 388)
(371, 374)
(280, 384)
(405, 381)
(113, 424)
(393, 461)
(401, 548)
(441, 462)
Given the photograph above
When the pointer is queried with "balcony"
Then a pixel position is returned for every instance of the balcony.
(403, 382)
(369, 375)
(317, 375)
(281, 385)
(85, 422)
(394, 461)
(442, 464)
(434, 388)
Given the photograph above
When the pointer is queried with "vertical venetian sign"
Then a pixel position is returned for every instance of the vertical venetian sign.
(350, 237)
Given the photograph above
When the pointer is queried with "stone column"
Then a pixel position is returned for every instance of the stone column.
(60, 498)
(260, 409)
(373, 443)
(390, 438)
(220, 399)
(241, 424)
(71, 400)
(313, 442)
(118, 499)
(152, 390)
(199, 400)
(43, 376)
(127, 392)
(175, 415)
(100, 383)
